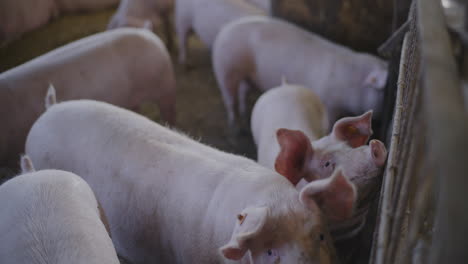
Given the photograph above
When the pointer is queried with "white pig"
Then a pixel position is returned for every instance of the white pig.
(171, 199)
(288, 125)
(206, 18)
(138, 13)
(124, 67)
(257, 50)
(20, 16)
(52, 216)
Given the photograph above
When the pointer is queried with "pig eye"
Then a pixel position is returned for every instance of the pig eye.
(327, 164)
(321, 237)
(272, 253)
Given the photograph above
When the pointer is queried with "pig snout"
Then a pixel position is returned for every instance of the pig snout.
(378, 152)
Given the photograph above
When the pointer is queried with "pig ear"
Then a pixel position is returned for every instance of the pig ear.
(355, 131)
(26, 164)
(295, 148)
(336, 196)
(248, 226)
(148, 25)
(378, 152)
(376, 79)
(51, 97)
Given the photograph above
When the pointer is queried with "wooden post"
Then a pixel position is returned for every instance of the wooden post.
(447, 136)
(361, 24)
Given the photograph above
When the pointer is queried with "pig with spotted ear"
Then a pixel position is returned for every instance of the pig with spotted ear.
(185, 202)
(52, 216)
(289, 125)
(249, 52)
(145, 14)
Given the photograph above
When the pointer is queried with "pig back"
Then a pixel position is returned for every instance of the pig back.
(123, 67)
(53, 216)
(288, 106)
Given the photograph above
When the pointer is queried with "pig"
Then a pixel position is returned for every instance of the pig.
(254, 51)
(289, 125)
(171, 199)
(20, 16)
(206, 18)
(144, 13)
(125, 67)
(52, 216)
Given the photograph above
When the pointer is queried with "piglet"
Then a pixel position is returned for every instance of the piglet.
(144, 13)
(171, 199)
(288, 125)
(20, 16)
(52, 216)
(125, 67)
(206, 18)
(258, 50)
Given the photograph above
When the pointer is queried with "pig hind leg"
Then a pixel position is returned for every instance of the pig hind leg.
(244, 88)
(230, 85)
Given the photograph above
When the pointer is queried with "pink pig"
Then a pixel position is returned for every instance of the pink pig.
(206, 18)
(20, 16)
(288, 126)
(125, 67)
(257, 51)
(144, 13)
(52, 216)
(171, 199)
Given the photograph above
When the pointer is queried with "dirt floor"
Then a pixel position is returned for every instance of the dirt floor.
(200, 111)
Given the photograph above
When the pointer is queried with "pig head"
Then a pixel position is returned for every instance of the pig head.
(302, 161)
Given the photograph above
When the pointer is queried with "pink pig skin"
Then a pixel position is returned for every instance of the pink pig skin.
(258, 51)
(52, 216)
(281, 115)
(125, 67)
(171, 199)
(206, 18)
(144, 13)
(20, 16)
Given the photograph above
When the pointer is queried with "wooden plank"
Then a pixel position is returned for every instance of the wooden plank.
(447, 135)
